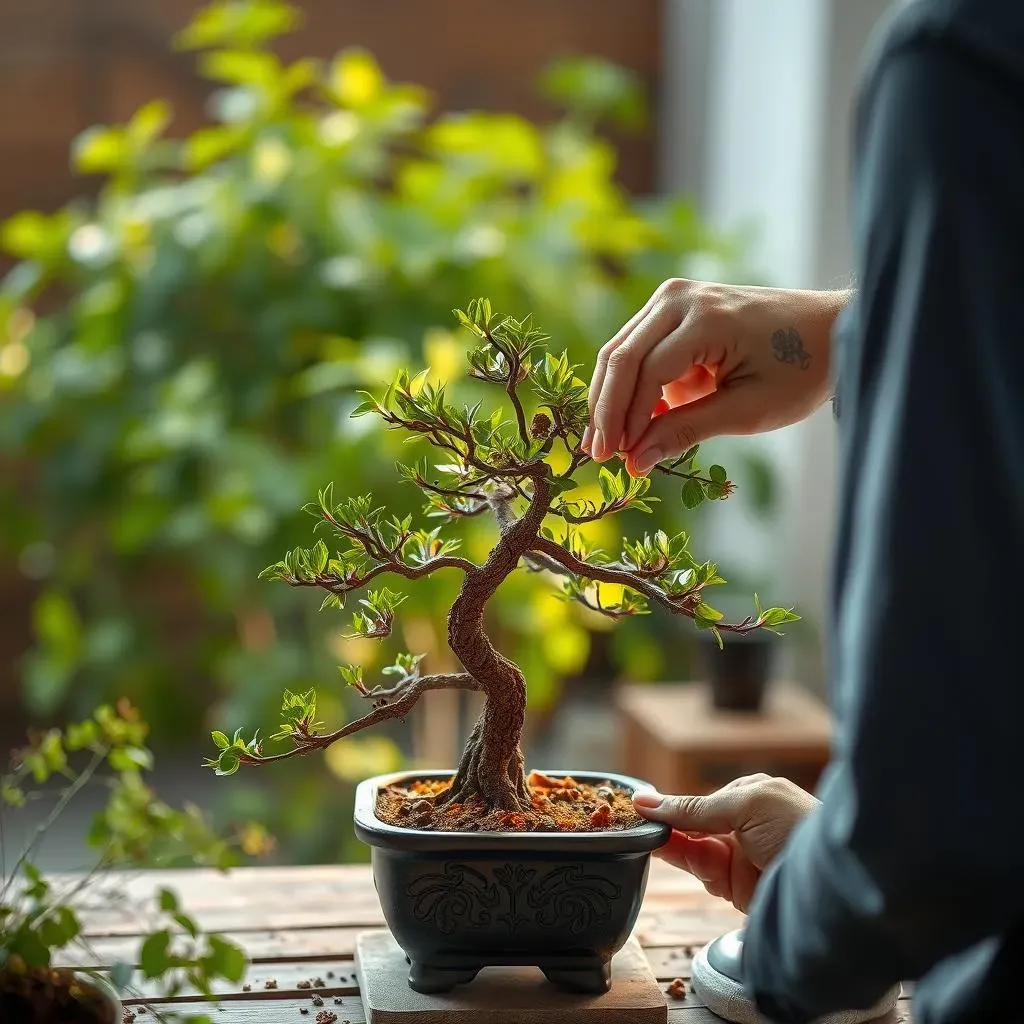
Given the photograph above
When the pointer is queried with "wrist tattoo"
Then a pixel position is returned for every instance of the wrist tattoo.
(789, 347)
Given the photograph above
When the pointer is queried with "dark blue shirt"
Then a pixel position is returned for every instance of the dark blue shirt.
(913, 868)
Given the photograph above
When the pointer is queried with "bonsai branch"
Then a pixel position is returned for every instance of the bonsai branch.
(357, 582)
(512, 382)
(601, 609)
(685, 602)
(444, 435)
(408, 691)
(460, 493)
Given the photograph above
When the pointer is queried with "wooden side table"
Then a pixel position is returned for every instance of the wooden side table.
(675, 739)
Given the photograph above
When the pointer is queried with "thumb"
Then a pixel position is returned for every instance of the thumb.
(672, 433)
(716, 813)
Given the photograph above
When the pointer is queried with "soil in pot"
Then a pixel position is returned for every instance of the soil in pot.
(45, 995)
(559, 805)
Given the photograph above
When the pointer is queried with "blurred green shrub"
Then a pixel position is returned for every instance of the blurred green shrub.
(178, 358)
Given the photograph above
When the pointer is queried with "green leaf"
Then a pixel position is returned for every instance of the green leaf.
(718, 474)
(99, 150)
(709, 614)
(52, 751)
(356, 79)
(610, 484)
(332, 601)
(228, 763)
(154, 956)
(225, 959)
(13, 796)
(277, 571)
(416, 383)
(230, 23)
(692, 494)
(352, 674)
(27, 944)
(220, 739)
(715, 491)
(123, 759)
(593, 88)
(27, 235)
(776, 616)
(320, 557)
(559, 485)
(38, 888)
(209, 145)
(238, 67)
(57, 624)
(148, 123)
(186, 924)
(168, 901)
(58, 927)
(81, 735)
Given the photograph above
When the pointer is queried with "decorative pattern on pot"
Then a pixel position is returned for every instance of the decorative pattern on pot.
(461, 895)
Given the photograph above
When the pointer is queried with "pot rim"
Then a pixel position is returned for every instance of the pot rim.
(371, 830)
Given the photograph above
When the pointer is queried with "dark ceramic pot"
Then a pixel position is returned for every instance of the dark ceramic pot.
(460, 901)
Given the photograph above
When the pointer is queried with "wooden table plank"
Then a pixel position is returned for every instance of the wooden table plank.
(351, 1012)
(300, 925)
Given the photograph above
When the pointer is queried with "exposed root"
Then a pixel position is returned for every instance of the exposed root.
(498, 788)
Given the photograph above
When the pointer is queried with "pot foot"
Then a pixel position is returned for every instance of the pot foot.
(429, 980)
(594, 980)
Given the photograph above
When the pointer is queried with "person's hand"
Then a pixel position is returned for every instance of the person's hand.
(727, 838)
(701, 360)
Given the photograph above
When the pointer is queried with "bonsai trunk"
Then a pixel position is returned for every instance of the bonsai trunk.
(492, 765)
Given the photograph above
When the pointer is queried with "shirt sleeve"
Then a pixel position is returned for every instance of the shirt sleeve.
(915, 852)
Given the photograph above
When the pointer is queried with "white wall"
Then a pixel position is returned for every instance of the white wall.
(756, 117)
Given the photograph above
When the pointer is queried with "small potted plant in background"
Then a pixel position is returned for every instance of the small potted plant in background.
(41, 928)
(487, 864)
(738, 670)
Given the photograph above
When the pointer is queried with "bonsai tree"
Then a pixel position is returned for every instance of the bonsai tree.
(519, 464)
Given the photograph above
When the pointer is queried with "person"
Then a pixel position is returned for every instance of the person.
(909, 862)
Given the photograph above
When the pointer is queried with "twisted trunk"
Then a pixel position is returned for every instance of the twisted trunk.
(492, 764)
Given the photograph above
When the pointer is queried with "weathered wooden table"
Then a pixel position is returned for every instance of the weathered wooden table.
(299, 925)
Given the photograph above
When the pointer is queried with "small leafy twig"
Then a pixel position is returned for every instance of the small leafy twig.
(696, 487)
(47, 823)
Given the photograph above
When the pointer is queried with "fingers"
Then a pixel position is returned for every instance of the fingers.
(669, 435)
(744, 875)
(601, 368)
(719, 862)
(671, 369)
(709, 859)
(620, 378)
(719, 812)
